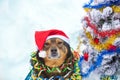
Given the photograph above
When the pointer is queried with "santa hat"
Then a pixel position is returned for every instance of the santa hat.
(42, 36)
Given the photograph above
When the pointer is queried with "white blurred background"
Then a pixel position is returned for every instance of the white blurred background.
(19, 19)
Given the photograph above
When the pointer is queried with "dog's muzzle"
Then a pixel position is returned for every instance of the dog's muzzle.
(54, 53)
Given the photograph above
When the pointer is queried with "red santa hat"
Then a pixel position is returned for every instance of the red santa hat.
(42, 36)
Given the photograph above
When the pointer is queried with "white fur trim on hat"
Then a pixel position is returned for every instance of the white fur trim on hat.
(59, 36)
(42, 54)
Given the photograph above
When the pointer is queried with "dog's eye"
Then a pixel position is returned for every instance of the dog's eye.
(46, 44)
(59, 43)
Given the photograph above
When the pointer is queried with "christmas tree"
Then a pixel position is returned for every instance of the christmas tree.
(100, 42)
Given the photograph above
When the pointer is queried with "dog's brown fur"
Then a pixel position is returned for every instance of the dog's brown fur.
(58, 44)
(62, 48)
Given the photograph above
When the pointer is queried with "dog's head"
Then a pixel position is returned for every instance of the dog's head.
(56, 45)
(57, 51)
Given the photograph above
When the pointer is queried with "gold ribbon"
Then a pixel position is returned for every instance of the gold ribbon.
(102, 46)
(115, 9)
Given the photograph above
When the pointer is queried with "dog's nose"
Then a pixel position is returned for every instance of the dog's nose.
(53, 50)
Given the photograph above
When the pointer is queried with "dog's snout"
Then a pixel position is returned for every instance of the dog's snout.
(54, 54)
(53, 50)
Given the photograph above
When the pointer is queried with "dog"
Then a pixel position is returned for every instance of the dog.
(58, 53)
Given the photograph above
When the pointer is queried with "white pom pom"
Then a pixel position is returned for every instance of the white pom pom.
(42, 54)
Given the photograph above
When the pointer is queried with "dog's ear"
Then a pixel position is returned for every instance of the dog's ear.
(69, 54)
(39, 58)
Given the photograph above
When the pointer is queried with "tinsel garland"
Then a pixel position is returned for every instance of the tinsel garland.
(106, 33)
(32, 76)
(105, 77)
(98, 62)
(75, 75)
(101, 46)
(116, 9)
(101, 5)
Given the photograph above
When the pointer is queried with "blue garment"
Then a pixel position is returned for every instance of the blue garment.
(28, 77)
